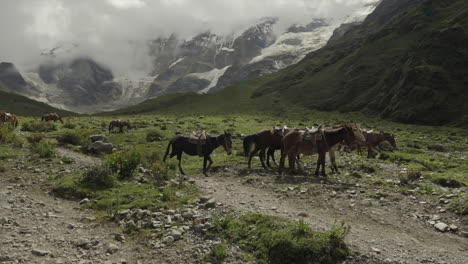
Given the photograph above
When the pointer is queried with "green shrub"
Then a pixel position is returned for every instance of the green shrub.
(160, 173)
(8, 136)
(68, 124)
(44, 149)
(38, 126)
(124, 163)
(276, 240)
(219, 253)
(34, 138)
(460, 205)
(70, 137)
(447, 182)
(98, 177)
(437, 147)
(154, 135)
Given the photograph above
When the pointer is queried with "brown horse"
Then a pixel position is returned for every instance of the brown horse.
(294, 144)
(266, 139)
(374, 139)
(120, 124)
(11, 118)
(52, 117)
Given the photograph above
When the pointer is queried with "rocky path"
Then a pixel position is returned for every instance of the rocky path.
(384, 232)
(38, 228)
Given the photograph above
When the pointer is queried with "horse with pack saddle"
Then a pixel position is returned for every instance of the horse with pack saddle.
(9, 118)
(198, 145)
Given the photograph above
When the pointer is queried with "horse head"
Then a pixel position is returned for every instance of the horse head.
(390, 138)
(227, 142)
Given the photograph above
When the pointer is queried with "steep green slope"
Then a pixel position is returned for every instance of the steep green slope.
(407, 62)
(23, 106)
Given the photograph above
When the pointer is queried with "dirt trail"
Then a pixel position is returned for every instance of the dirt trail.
(382, 232)
(38, 228)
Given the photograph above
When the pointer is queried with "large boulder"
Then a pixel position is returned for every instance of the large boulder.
(102, 147)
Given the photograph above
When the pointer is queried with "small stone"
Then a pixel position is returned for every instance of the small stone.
(303, 214)
(111, 249)
(211, 203)
(168, 239)
(376, 250)
(205, 198)
(119, 237)
(464, 234)
(453, 227)
(176, 234)
(39, 252)
(199, 228)
(441, 227)
(84, 201)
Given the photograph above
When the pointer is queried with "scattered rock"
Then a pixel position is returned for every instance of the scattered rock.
(119, 237)
(84, 201)
(112, 248)
(303, 214)
(168, 239)
(100, 137)
(39, 252)
(441, 227)
(211, 203)
(376, 250)
(453, 227)
(102, 147)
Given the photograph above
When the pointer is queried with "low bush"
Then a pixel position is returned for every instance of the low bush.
(43, 149)
(447, 182)
(71, 137)
(98, 177)
(68, 124)
(8, 136)
(276, 240)
(34, 138)
(38, 126)
(124, 163)
(154, 135)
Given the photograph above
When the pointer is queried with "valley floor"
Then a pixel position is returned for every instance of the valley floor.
(390, 222)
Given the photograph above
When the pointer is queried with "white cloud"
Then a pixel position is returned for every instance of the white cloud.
(116, 32)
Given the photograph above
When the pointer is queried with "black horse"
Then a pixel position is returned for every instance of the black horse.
(181, 144)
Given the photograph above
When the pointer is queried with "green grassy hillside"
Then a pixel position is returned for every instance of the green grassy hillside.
(21, 105)
(406, 62)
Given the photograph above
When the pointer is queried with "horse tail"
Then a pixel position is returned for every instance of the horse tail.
(167, 150)
(248, 141)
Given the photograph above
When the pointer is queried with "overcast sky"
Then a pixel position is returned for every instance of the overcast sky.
(115, 32)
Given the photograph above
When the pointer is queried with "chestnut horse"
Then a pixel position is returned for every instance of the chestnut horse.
(52, 116)
(120, 124)
(294, 145)
(374, 139)
(266, 139)
(11, 118)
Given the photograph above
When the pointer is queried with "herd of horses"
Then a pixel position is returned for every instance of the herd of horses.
(291, 142)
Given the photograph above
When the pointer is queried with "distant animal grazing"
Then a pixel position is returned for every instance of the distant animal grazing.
(315, 141)
(120, 124)
(9, 118)
(52, 117)
(374, 139)
(266, 139)
(183, 144)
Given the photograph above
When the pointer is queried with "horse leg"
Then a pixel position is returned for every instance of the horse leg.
(210, 163)
(261, 155)
(271, 154)
(252, 154)
(204, 166)
(318, 166)
(333, 162)
(323, 163)
(179, 157)
(292, 162)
